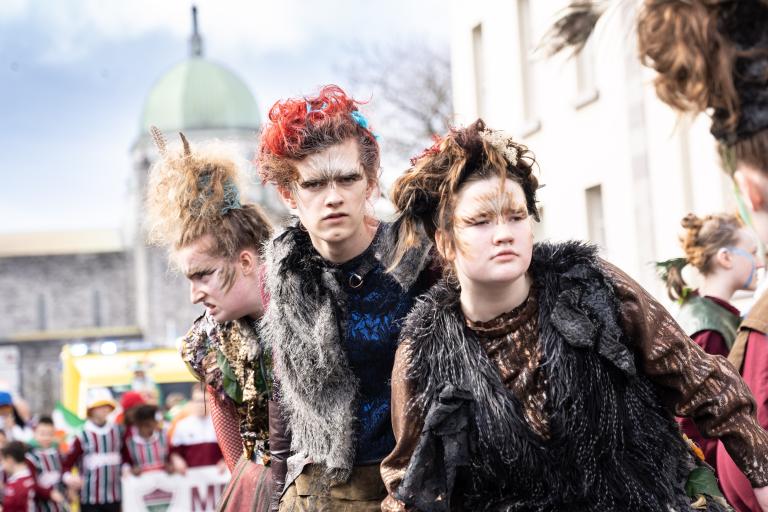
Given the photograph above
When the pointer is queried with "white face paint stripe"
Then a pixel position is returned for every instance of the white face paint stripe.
(494, 206)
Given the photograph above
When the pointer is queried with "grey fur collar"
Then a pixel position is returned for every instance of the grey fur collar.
(302, 326)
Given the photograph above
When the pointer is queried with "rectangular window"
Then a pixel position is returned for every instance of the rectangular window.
(42, 312)
(595, 218)
(586, 87)
(479, 69)
(97, 316)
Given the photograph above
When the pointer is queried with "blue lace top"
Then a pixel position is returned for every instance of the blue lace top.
(375, 311)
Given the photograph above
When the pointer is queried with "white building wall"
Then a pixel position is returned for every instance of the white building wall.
(617, 135)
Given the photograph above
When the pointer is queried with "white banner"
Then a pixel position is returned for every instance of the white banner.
(157, 491)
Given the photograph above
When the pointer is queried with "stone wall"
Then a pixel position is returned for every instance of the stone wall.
(48, 293)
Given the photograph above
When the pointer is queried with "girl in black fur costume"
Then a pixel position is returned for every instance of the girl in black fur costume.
(538, 377)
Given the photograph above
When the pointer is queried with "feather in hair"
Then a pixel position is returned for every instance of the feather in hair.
(574, 26)
(159, 139)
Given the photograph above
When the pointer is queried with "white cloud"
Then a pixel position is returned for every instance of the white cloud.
(74, 28)
(13, 9)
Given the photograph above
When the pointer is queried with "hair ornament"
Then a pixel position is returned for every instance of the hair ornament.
(185, 143)
(159, 140)
(430, 151)
(663, 267)
(360, 119)
(502, 142)
(231, 197)
(362, 122)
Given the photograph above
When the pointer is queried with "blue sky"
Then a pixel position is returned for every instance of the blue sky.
(74, 74)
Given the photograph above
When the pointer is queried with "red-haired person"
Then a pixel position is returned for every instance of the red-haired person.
(195, 210)
(335, 307)
(537, 376)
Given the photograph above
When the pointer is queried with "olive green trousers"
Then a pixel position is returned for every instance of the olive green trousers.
(364, 492)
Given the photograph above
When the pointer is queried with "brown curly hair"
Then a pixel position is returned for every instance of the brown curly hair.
(425, 195)
(697, 65)
(702, 238)
(694, 62)
(299, 127)
(189, 195)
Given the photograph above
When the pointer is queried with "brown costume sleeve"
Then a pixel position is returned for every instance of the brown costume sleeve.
(691, 382)
(406, 424)
(279, 446)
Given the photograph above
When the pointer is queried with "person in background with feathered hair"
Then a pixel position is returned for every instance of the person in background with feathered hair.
(335, 304)
(539, 376)
(711, 56)
(194, 209)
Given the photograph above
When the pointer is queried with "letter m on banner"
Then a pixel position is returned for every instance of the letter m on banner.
(207, 502)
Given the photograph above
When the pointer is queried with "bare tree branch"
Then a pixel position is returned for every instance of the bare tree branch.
(410, 85)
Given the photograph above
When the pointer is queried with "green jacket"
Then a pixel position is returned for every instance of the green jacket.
(698, 314)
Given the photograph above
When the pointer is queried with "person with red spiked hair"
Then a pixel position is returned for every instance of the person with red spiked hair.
(335, 305)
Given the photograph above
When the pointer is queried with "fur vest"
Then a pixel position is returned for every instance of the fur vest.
(303, 325)
(612, 445)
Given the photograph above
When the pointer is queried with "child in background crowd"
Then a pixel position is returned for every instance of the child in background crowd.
(96, 452)
(724, 252)
(146, 446)
(46, 461)
(193, 442)
(11, 421)
(129, 402)
(21, 488)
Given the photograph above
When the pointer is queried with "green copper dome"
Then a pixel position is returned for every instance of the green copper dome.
(199, 95)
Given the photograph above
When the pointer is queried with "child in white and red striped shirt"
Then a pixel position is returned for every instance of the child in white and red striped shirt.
(146, 443)
(96, 452)
(21, 488)
(45, 461)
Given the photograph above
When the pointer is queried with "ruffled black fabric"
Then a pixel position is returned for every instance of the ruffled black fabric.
(443, 451)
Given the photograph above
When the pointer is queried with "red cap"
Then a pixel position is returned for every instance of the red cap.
(131, 399)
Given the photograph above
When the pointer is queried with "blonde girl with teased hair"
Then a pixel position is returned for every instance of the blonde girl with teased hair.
(195, 209)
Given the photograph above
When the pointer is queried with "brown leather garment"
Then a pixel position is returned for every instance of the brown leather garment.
(756, 320)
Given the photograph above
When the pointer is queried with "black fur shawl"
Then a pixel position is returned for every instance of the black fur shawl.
(612, 446)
